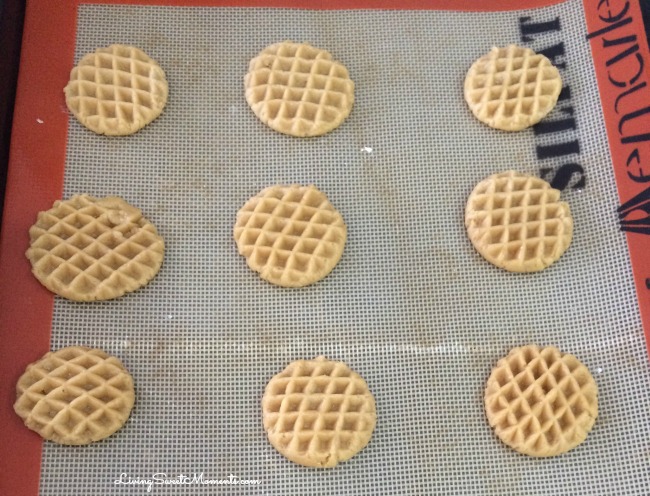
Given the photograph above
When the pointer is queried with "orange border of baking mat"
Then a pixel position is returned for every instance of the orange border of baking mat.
(622, 60)
(37, 158)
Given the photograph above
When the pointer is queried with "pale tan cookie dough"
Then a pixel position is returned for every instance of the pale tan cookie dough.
(116, 90)
(299, 90)
(75, 395)
(318, 412)
(87, 248)
(291, 235)
(540, 401)
(517, 222)
(512, 88)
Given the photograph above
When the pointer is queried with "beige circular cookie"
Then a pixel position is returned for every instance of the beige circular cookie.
(299, 90)
(512, 88)
(318, 412)
(291, 235)
(75, 395)
(116, 90)
(87, 249)
(517, 222)
(540, 401)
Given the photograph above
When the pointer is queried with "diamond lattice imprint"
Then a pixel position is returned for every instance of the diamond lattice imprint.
(291, 235)
(298, 90)
(75, 395)
(541, 402)
(318, 412)
(517, 222)
(512, 88)
(87, 249)
(116, 90)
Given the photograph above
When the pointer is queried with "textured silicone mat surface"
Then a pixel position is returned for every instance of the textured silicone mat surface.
(411, 306)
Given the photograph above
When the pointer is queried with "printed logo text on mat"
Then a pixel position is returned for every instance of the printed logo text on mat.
(627, 75)
(162, 479)
(561, 126)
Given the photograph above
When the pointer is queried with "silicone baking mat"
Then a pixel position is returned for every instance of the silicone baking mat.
(411, 306)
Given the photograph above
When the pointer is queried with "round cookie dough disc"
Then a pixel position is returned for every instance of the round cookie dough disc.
(318, 412)
(116, 90)
(512, 88)
(75, 395)
(517, 222)
(299, 90)
(87, 249)
(540, 401)
(291, 235)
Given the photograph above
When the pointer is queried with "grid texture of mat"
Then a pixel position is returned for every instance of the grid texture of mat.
(411, 306)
